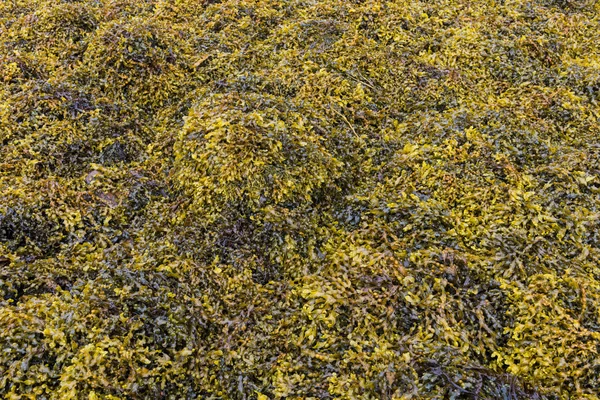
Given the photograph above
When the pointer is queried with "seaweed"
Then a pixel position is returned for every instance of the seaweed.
(268, 199)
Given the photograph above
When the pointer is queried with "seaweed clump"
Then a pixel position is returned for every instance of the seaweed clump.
(274, 199)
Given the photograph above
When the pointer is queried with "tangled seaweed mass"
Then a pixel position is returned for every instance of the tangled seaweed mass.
(300, 199)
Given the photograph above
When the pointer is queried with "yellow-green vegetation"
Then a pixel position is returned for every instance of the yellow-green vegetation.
(300, 199)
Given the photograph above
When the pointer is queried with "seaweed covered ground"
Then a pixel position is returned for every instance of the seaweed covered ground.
(299, 199)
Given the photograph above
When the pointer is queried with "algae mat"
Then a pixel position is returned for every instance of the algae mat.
(269, 199)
